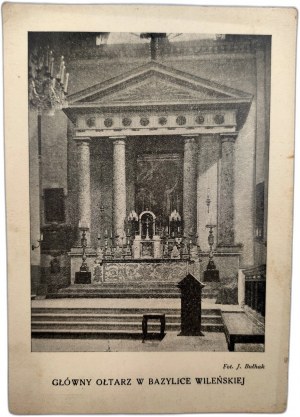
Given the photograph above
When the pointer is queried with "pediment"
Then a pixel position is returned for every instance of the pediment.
(155, 83)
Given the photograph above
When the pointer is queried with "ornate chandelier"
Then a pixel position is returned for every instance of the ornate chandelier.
(48, 81)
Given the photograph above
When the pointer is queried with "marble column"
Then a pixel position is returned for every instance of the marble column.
(119, 187)
(226, 190)
(189, 186)
(84, 188)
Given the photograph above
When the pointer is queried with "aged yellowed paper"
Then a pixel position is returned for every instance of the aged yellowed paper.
(149, 182)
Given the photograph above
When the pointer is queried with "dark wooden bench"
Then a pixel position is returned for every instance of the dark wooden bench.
(147, 317)
(239, 328)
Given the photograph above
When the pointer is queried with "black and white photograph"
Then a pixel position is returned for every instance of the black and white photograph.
(149, 180)
(148, 184)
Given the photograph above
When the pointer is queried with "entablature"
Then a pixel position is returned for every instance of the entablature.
(130, 123)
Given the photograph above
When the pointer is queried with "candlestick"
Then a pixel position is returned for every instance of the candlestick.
(84, 266)
(211, 273)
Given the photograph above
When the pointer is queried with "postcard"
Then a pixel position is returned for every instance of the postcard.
(149, 187)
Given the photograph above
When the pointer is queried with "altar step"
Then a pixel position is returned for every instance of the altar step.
(129, 290)
(111, 321)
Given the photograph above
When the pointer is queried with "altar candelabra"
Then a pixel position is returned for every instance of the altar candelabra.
(166, 245)
(84, 266)
(83, 276)
(174, 223)
(128, 254)
(99, 251)
(107, 248)
(185, 248)
(133, 220)
(211, 273)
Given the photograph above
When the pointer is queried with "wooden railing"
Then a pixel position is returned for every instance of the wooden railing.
(255, 288)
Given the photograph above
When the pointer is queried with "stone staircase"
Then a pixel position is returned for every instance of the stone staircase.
(110, 322)
(129, 290)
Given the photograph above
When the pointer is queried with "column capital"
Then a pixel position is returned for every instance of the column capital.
(82, 140)
(189, 138)
(119, 140)
(228, 136)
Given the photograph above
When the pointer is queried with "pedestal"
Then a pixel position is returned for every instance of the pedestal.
(83, 278)
(211, 275)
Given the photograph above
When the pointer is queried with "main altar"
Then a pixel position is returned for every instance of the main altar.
(149, 251)
(154, 163)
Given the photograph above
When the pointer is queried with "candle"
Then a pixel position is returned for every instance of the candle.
(42, 237)
(52, 67)
(98, 237)
(66, 89)
(62, 74)
(47, 60)
(59, 75)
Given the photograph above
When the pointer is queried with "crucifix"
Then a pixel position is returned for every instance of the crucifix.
(147, 228)
(157, 40)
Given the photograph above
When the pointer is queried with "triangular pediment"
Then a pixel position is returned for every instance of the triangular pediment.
(155, 83)
(156, 89)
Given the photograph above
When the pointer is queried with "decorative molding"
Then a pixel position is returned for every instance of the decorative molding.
(229, 137)
(82, 140)
(145, 271)
(154, 120)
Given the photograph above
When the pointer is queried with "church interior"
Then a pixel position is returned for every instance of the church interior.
(148, 164)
